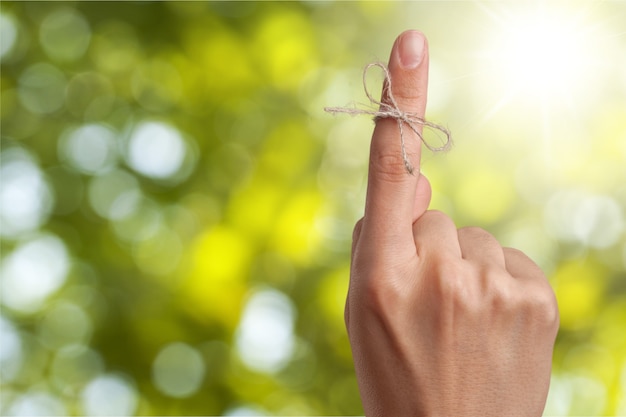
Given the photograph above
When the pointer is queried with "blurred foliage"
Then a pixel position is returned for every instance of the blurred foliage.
(177, 208)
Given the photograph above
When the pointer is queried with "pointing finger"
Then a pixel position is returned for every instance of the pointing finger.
(391, 192)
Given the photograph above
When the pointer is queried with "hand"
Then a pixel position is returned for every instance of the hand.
(442, 322)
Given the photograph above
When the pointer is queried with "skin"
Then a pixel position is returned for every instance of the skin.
(442, 322)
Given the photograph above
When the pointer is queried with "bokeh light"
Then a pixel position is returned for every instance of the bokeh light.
(156, 150)
(90, 149)
(11, 352)
(42, 88)
(8, 34)
(265, 339)
(32, 272)
(64, 34)
(37, 403)
(596, 221)
(73, 366)
(178, 370)
(245, 411)
(25, 195)
(176, 208)
(109, 395)
(64, 324)
(114, 195)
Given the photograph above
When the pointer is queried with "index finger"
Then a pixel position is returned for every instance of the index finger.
(391, 191)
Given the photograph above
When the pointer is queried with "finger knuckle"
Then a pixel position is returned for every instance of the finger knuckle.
(542, 306)
(473, 231)
(500, 294)
(453, 282)
(377, 291)
(389, 166)
(469, 229)
(476, 235)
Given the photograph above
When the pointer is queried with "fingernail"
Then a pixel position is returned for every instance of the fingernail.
(411, 49)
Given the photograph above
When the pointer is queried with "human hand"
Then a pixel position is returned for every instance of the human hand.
(442, 322)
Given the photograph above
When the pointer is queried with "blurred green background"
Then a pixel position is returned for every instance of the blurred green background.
(177, 208)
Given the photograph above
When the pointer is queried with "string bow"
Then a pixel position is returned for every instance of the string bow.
(391, 110)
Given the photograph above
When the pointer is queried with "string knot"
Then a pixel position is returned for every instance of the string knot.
(391, 110)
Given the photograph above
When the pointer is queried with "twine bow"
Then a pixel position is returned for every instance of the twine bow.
(392, 110)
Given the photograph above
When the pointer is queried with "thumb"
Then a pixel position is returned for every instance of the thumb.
(423, 194)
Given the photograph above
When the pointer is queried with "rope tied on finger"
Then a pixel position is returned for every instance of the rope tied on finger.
(391, 110)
